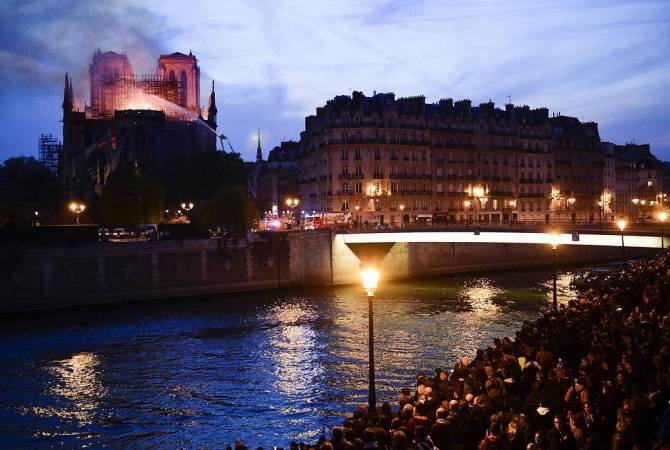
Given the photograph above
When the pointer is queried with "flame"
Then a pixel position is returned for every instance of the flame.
(142, 100)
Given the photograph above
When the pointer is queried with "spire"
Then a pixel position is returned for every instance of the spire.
(211, 109)
(67, 96)
(259, 152)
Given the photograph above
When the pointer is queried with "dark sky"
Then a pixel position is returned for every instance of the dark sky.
(275, 61)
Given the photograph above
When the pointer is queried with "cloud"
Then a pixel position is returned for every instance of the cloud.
(275, 61)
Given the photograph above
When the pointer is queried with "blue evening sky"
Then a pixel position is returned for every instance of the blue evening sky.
(275, 61)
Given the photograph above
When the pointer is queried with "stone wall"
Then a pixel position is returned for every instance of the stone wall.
(43, 277)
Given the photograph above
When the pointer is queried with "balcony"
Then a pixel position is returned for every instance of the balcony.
(378, 176)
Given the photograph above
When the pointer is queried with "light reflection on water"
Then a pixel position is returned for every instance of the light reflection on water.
(262, 367)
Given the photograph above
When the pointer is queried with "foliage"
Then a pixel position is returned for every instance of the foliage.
(131, 199)
(230, 208)
(27, 186)
(200, 176)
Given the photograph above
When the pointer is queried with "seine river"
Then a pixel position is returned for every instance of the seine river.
(266, 368)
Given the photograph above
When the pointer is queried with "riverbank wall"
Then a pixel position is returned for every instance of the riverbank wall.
(51, 277)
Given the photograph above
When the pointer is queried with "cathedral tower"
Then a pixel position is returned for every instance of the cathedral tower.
(185, 70)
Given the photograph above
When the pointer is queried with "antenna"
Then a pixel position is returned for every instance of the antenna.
(509, 98)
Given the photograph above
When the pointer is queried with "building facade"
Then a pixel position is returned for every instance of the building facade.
(389, 161)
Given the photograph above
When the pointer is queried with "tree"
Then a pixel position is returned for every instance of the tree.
(131, 199)
(27, 186)
(231, 208)
(200, 176)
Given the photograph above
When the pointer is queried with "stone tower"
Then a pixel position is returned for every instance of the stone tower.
(185, 70)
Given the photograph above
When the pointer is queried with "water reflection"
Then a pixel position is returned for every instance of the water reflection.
(480, 293)
(256, 366)
(293, 348)
(77, 380)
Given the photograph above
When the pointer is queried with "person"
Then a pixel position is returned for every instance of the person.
(423, 440)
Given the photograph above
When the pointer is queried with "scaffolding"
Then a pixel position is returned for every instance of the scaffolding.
(49, 151)
(119, 92)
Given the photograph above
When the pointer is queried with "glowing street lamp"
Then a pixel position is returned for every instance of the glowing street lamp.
(370, 278)
(571, 204)
(187, 207)
(554, 240)
(357, 208)
(77, 208)
(662, 216)
(622, 225)
(292, 203)
(467, 212)
(512, 205)
(402, 216)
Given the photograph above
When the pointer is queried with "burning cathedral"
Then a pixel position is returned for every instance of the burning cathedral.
(138, 119)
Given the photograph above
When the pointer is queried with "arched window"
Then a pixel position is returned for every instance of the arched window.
(172, 76)
(184, 89)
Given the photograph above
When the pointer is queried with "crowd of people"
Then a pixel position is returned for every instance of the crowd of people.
(593, 375)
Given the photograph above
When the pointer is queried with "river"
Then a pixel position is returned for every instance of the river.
(265, 367)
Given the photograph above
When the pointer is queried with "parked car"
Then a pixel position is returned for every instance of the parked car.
(103, 234)
(119, 233)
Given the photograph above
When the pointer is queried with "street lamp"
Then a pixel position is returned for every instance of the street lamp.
(77, 208)
(571, 203)
(187, 207)
(292, 203)
(482, 205)
(512, 205)
(600, 218)
(622, 225)
(402, 216)
(36, 219)
(467, 212)
(370, 278)
(357, 208)
(554, 246)
(662, 216)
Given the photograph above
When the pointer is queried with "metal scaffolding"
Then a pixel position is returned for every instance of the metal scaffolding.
(49, 151)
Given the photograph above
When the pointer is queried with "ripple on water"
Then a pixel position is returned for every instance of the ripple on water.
(257, 367)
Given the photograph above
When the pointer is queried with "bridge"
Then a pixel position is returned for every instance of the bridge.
(416, 252)
(507, 236)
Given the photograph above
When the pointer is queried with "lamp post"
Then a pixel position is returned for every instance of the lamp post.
(77, 208)
(600, 217)
(36, 218)
(661, 218)
(357, 208)
(512, 206)
(571, 203)
(187, 207)
(467, 212)
(370, 280)
(482, 206)
(292, 203)
(402, 216)
(622, 225)
(554, 246)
